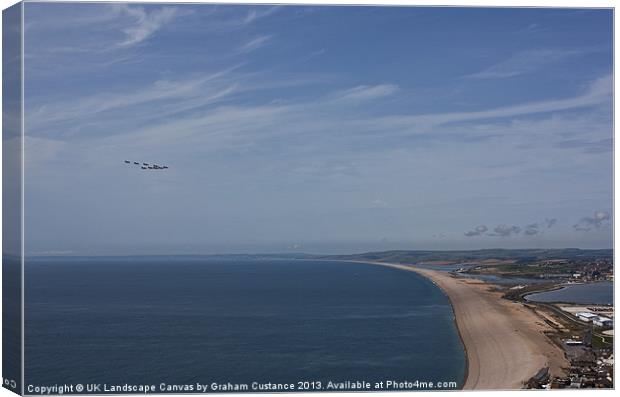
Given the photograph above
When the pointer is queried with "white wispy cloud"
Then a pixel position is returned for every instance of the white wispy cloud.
(597, 93)
(197, 111)
(365, 92)
(258, 13)
(525, 62)
(242, 124)
(118, 26)
(179, 95)
(146, 23)
(158, 103)
(254, 44)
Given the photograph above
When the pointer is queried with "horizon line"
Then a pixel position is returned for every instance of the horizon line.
(77, 254)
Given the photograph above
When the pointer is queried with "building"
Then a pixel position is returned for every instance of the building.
(601, 321)
(586, 316)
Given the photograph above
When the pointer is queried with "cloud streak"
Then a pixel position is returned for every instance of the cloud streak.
(525, 62)
(254, 44)
(194, 103)
(200, 90)
(365, 93)
(145, 24)
(597, 93)
(258, 13)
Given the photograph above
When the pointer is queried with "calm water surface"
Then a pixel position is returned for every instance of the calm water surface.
(598, 293)
(184, 320)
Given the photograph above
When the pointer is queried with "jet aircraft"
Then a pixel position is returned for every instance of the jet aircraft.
(148, 166)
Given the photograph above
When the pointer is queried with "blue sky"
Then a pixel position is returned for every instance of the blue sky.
(316, 129)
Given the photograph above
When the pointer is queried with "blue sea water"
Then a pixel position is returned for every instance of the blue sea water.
(180, 320)
(601, 293)
(11, 322)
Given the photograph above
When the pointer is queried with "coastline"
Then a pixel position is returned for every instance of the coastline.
(504, 341)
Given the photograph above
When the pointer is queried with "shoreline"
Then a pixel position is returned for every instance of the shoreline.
(504, 342)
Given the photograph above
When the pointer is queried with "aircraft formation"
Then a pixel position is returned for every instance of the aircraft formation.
(147, 166)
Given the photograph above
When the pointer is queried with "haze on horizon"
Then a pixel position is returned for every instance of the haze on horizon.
(316, 129)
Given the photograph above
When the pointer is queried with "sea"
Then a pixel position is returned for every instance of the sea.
(600, 293)
(219, 320)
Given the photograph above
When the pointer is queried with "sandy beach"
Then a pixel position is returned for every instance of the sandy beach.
(504, 340)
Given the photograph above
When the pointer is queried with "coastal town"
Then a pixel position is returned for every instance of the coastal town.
(584, 331)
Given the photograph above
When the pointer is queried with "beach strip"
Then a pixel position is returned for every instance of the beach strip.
(504, 341)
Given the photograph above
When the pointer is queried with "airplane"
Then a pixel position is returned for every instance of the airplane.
(146, 166)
